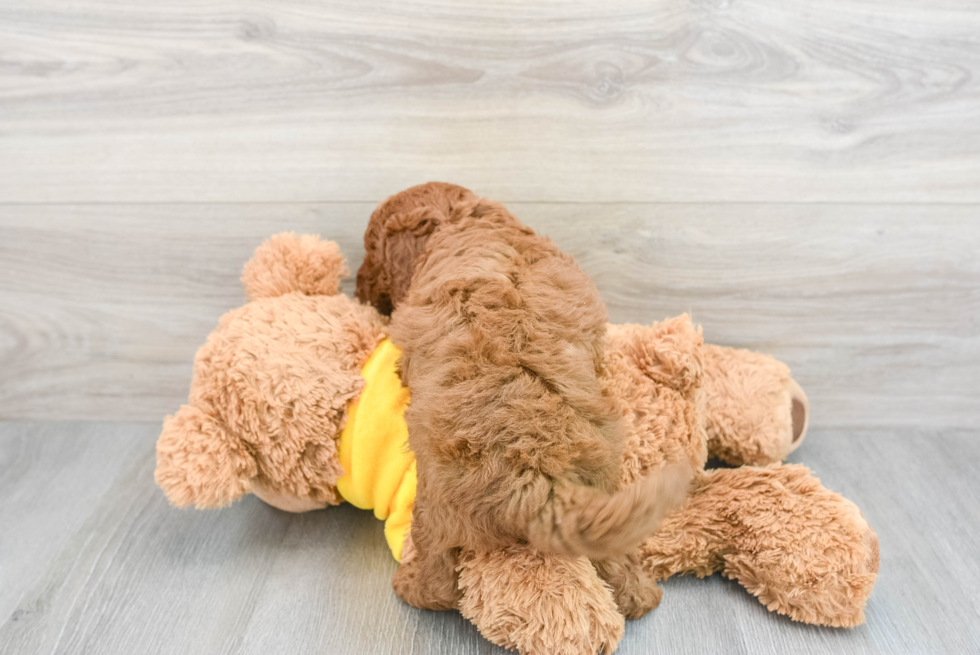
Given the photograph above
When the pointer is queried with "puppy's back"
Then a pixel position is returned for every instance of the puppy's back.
(502, 340)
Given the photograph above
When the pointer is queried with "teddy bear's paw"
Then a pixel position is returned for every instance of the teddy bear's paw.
(838, 599)
(539, 603)
(200, 463)
(816, 560)
(800, 415)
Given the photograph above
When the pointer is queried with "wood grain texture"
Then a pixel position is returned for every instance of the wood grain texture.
(93, 560)
(636, 100)
(875, 308)
(804, 178)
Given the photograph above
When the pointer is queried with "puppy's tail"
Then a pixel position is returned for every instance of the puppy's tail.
(580, 520)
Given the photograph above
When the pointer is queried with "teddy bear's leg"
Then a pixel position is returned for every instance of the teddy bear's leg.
(803, 550)
(755, 413)
(538, 603)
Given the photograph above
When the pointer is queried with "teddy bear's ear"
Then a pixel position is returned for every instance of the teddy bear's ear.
(671, 353)
(199, 463)
(287, 263)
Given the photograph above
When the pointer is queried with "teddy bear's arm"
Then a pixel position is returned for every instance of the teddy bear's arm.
(754, 412)
(803, 550)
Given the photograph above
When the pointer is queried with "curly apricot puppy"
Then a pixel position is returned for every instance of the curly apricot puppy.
(502, 339)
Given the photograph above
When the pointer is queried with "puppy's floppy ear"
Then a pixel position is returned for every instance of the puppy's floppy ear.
(199, 462)
(396, 238)
(405, 238)
(394, 243)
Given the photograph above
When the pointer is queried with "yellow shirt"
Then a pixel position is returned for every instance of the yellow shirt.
(379, 468)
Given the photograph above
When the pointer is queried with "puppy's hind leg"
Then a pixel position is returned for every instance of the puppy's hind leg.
(427, 577)
(634, 590)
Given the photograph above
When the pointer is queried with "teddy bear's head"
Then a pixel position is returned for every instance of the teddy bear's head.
(271, 386)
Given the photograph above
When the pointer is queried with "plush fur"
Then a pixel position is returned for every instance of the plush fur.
(271, 386)
(570, 608)
(502, 341)
(803, 550)
(752, 434)
(264, 416)
(677, 399)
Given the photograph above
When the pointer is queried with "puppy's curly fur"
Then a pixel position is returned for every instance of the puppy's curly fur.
(502, 339)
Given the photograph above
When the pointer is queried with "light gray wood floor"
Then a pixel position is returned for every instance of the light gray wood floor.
(804, 178)
(95, 561)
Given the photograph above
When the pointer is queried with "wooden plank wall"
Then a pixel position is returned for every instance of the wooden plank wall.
(803, 178)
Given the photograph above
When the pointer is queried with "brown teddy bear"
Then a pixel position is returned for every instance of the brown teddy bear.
(296, 398)
(803, 550)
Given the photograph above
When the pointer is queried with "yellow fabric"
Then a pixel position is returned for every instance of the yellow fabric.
(379, 468)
